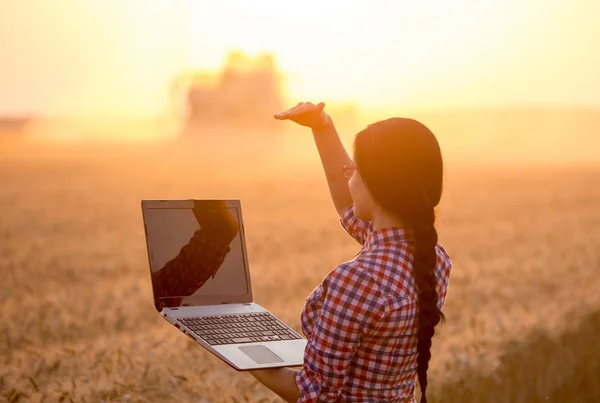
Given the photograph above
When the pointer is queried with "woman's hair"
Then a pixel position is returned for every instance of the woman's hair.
(400, 163)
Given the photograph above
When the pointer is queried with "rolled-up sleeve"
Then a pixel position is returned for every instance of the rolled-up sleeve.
(352, 304)
(357, 228)
(443, 269)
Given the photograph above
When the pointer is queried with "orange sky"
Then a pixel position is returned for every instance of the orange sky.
(116, 56)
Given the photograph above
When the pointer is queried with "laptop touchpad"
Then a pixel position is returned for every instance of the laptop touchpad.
(260, 354)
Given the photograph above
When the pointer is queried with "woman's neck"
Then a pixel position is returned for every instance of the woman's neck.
(382, 220)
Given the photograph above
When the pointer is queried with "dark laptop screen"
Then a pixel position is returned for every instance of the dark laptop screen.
(195, 252)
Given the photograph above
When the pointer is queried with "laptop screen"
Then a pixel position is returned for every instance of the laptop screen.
(195, 250)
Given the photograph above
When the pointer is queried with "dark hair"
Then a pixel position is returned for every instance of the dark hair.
(400, 163)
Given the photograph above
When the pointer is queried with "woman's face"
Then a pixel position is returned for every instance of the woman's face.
(364, 206)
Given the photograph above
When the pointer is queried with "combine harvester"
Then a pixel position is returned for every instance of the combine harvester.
(236, 105)
(238, 102)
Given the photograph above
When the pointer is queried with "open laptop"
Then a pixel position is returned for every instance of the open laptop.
(201, 283)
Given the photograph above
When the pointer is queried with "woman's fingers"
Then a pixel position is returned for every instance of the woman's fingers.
(299, 109)
(290, 112)
(281, 115)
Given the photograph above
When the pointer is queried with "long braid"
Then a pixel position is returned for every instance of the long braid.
(400, 163)
(425, 239)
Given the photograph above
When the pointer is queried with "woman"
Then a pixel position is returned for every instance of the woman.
(369, 324)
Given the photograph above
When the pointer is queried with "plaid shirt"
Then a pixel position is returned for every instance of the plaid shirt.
(361, 321)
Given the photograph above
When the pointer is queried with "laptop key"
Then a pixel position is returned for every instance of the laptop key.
(241, 340)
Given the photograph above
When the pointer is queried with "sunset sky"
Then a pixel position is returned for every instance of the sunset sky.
(117, 56)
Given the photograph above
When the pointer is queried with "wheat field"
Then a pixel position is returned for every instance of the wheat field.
(77, 321)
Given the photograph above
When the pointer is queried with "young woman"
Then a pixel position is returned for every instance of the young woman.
(369, 324)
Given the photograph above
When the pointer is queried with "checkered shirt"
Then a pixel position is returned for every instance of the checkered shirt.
(361, 322)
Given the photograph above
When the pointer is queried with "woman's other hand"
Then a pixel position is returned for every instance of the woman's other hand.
(307, 114)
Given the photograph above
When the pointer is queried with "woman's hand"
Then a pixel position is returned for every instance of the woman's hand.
(307, 114)
(282, 381)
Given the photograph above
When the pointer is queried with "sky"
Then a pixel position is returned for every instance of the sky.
(117, 57)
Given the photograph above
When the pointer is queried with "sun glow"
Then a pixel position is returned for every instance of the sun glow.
(118, 58)
(393, 53)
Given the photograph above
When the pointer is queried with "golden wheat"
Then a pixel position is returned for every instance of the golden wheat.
(77, 319)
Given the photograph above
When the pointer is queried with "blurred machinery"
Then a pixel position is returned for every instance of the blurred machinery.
(244, 94)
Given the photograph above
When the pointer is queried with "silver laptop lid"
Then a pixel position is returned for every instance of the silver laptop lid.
(197, 252)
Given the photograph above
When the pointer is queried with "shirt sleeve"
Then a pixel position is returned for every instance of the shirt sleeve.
(357, 228)
(352, 304)
(444, 268)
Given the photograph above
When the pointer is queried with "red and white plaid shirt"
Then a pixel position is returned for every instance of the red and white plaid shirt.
(361, 322)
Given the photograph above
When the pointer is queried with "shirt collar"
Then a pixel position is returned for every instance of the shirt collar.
(388, 235)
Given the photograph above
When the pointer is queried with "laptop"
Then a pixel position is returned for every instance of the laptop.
(201, 283)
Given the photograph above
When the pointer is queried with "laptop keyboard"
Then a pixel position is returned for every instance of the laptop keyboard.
(240, 328)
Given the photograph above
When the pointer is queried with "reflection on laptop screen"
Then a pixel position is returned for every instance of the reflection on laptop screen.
(194, 252)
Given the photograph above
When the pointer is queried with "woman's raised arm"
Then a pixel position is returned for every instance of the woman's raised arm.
(331, 150)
